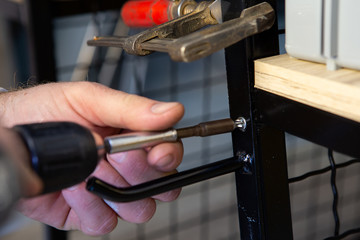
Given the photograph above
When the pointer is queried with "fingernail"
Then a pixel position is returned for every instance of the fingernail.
(73, 188)
(164, 161)
(113, 206)
(118, 157)
(162, 107)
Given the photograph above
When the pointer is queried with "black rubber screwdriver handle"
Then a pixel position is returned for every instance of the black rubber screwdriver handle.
(61, 153)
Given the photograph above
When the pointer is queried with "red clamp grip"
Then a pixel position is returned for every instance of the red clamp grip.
(145, 13)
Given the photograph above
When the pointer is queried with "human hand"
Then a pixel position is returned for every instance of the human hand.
(105, 112)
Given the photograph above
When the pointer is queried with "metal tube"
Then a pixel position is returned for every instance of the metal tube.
(131, 141)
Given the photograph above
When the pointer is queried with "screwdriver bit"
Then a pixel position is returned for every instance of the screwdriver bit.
(137, 140)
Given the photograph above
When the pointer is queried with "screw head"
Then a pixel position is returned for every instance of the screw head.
(241, 123)
(244, 156)
(247, 158)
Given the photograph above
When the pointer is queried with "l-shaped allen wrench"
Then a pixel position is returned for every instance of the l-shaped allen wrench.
(126, 142)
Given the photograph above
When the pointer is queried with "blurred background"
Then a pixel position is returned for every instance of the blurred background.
(207, 210)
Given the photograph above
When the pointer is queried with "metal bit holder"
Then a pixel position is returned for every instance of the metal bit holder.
(182, 38)
(136, 140)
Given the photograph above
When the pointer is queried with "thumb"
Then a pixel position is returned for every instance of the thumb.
(111, 108)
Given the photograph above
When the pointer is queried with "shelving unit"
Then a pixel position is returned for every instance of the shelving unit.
(306, 100)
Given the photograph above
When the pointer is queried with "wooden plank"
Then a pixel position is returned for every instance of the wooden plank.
(311, 83)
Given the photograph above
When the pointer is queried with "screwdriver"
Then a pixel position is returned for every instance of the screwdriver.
(64, 153)
(137, 140)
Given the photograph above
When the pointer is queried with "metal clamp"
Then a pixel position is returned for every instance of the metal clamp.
(181, 39)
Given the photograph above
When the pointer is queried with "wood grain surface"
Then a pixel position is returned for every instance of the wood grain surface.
(311, 83)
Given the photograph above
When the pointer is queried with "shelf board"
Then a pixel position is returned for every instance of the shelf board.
(310, 83)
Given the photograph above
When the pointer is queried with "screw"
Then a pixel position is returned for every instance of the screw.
(241, 123)
(244, 156)
(247, 158)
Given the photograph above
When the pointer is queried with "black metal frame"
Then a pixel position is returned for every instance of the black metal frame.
(263, 195)
(326, 129)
